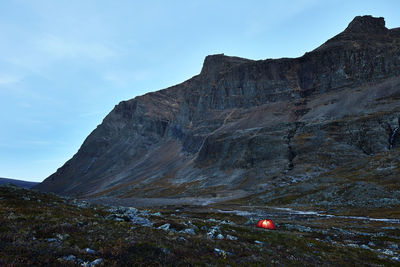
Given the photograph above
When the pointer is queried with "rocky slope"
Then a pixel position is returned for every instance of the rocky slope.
(314, 129)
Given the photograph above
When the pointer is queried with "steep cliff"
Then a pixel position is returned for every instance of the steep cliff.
(283, 130)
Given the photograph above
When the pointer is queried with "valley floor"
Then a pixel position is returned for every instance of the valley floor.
(44, 229)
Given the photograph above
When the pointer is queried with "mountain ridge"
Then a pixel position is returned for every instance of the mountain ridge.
(20, 183)
(247, 124)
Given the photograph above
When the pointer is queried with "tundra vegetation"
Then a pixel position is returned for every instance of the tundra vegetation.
(38, 229)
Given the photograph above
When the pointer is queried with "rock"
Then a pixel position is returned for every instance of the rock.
(188, 231)
(388, 252)
(96, 262)
(231, 237)
(93, 263)
(371, 244)
(214, 230)
(259, 242)
(129, 214)
(141, 221)
(51, 240)
(364, 247)
(164, 227)
(69, 258)
(219, 236)
(90, 251)
(393, 246)
(353, 245)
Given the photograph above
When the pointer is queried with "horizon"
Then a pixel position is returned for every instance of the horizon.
(65, 65)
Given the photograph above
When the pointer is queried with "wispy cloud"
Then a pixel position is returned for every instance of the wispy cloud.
(6, 79)
(278, 13)
(25, 105)
(37, 142)
(124, 77)
(59, 47)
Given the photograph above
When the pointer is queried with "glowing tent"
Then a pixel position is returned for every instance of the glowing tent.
(266, 224)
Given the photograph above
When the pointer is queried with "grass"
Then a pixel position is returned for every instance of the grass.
(40, 229)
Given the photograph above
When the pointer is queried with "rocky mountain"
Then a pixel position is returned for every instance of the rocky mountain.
(318, 129)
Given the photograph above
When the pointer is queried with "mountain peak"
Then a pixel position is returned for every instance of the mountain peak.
(213, 64)
(367, 24)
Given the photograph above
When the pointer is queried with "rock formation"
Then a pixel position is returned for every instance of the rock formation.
(293, 129)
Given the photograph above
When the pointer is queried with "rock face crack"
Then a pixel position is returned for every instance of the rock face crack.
(291, 152)
(395, 132)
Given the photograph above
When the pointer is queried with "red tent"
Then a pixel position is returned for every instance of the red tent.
(266, 224)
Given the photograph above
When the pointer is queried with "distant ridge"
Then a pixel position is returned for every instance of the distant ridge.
(20, 183)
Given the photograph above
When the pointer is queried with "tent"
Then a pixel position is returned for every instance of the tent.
(266, 224)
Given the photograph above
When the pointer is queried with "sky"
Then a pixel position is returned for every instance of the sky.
(64, 65)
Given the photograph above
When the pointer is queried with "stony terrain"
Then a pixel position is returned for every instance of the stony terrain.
(39, 229)
(315, 130)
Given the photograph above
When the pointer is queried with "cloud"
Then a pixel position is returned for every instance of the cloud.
(37, 142)
(258, 23)
(24, 105)
(57, 47)
(41, 56)
(6, 79)
(124, 77)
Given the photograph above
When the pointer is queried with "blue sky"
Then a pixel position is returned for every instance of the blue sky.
(65, 64)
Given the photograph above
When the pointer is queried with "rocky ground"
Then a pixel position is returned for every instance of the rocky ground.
(44, 229)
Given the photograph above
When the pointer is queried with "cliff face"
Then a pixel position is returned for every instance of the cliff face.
(264, 127)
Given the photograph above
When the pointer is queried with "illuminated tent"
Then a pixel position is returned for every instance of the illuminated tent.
(266, 224)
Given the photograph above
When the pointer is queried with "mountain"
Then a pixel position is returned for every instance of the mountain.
(20, 183)
(318, 129)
